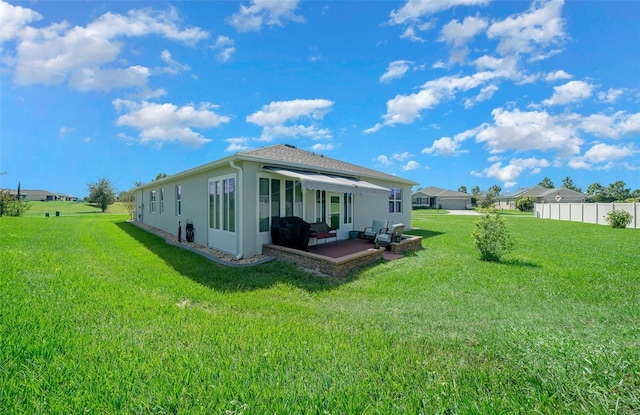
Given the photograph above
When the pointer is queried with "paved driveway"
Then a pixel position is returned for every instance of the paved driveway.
(463, 212)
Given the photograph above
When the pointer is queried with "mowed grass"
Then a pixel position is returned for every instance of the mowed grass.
(38, 208)
(98, 316)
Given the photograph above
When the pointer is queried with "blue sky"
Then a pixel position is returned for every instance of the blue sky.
(445, 93)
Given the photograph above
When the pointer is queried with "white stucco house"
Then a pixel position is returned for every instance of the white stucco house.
(233, 201)
(434, 197)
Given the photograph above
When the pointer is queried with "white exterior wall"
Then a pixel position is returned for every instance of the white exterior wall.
(195, 208)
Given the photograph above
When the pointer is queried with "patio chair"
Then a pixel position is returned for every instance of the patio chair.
(376, 228)
(394, 234)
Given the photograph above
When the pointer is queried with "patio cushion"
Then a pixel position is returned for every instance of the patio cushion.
(394, 234)
(321, 230)
(377, 227)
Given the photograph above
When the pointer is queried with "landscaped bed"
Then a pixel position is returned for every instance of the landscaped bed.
(99, 316)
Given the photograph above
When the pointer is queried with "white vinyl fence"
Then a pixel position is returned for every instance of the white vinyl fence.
(586, 212)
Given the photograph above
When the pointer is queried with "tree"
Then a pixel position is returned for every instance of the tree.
(161, 176)
(525, 204)
(128, 199)
(596, 192)
(618, 192)
(567, 183)
(546, 182)
(462, 189)
(495, 190)
(491, 237)
(101, 193)
(12, 205)
(476, 194)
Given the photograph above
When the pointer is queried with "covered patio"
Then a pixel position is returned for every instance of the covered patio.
(336, 259)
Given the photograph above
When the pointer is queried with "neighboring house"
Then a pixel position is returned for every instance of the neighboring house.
(42, 195)
(233, 201)
(434, 197)
(540, 195)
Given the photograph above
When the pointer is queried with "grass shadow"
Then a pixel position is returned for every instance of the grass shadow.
(225, 278)
(424, 233)
(520, 263)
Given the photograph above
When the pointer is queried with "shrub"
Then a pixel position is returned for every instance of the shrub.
(12, 207)
(491, 237)
(525, 204)
(618, 218)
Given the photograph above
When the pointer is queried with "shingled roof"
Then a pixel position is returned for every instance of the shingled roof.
(293, 157)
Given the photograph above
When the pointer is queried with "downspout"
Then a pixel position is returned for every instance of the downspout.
(240, 208)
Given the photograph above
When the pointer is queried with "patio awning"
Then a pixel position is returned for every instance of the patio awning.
(316, 181)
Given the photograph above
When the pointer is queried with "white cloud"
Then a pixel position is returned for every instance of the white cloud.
(444, 146)
(87, 79)
(395, 70)
(322, 147)
(509, 173)
(59, 52)
(237, 144)
(485, 94)
(174, 67)
(458, 34)
(611, 95)
(616, 125)
(572, 91)
(162, 123)
(411, 165)
(261, 12)
(602, 153)
(414, 10)
(401, 156)
(225, 47)
(383, 160)
(557, 75)
(13, 19)
(410, 33)
(530, 32)
(65, 130)
(522, 131)
(404, 109)
(273, 117)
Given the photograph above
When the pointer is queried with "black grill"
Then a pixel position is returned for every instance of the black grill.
(290, 231)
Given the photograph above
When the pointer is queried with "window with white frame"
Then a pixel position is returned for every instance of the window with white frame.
(161, 201)
(347, 201)
(152, 201)
(222, 204)
(275, 200)
(178, 200)
(321, 206)
(395, 200)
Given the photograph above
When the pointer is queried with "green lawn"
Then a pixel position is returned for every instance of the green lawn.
(71, 208)
(98, 316)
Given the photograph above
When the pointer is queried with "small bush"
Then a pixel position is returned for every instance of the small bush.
(618, 218)
(491, 237)
(12, 207)
(525, 204)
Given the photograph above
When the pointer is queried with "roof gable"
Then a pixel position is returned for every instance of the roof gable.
(436, 191)
(563, 191)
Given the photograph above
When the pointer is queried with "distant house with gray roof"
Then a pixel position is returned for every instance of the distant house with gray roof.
(540, 195)
(232, 202)
(435, 197)
(42, 195)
